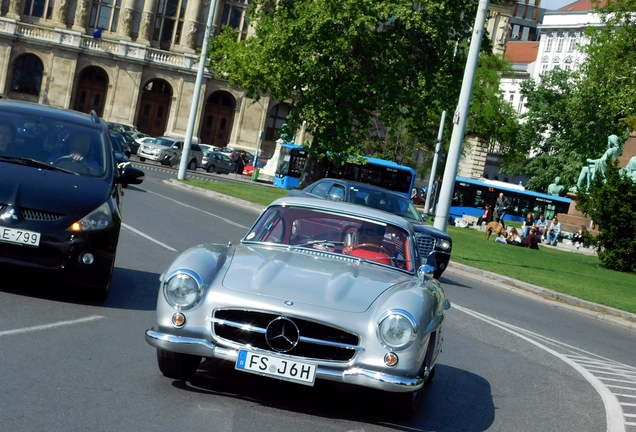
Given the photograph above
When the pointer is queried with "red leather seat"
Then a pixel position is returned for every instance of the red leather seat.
(376, 256)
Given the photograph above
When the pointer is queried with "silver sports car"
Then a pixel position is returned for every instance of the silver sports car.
(316, 290)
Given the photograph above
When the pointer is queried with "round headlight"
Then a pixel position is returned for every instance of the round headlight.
(444, 244)
(183, 289)
(397, 329)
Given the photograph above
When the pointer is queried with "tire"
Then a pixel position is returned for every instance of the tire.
(192, 165)
(438, 274)
(142, 159)
(211, 169)
(177, 365)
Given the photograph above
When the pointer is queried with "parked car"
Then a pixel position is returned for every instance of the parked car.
(167, 151)
(60, 200)
(121, 127)
(196, 154)
(208, 147)
(248, 170)
(316, 290)
(430, 239)
(217, 162)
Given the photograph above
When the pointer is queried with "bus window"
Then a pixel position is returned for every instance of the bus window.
(458, 199)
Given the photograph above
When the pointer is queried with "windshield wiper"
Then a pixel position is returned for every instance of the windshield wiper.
(323, 243)
(34, 163)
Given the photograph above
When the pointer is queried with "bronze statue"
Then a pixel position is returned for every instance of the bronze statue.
(630, 169)
(556, 188)
(588, 172)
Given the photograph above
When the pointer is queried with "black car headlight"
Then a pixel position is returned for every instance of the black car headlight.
(98, 219)
(443, 244)
(397, 328)
(182, 289)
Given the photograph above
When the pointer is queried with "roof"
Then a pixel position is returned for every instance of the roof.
(521, 51)
(580, 6)
(345, 208)
(47, 111)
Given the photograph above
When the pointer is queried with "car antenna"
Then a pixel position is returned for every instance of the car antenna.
(95, 116)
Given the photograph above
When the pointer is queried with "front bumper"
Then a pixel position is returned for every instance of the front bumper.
(354, 376)
(157, 157)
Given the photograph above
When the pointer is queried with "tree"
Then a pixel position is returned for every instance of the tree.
(342, 63)
(611, 203)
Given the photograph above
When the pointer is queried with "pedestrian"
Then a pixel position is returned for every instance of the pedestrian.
(502, 206)
(240, 162)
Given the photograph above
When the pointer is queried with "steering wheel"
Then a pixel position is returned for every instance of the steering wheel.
(347, 250)
(74, 163)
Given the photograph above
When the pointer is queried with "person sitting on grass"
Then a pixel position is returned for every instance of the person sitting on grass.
(579, 237)
(486, 217)
(514, 238)
(531, 241)
(540, 225)
(554, 231)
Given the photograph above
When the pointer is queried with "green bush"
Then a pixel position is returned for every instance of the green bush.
(612, 206)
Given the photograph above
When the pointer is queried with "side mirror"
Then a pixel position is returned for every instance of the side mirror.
(424, 216)
(334, 197)
(130, 175)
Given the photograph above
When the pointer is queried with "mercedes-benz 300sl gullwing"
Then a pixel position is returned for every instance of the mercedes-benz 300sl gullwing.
(316, 290)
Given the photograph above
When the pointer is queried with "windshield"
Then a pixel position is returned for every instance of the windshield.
(335, 233)
(162, 141)
(384, 201)
(61, 145)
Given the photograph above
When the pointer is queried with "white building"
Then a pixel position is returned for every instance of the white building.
(562, 35)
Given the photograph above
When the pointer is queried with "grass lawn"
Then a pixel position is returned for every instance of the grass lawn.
(570, 273)
(252, 193)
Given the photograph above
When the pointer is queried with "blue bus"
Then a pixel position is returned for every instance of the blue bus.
(470, 196)
(376, 172)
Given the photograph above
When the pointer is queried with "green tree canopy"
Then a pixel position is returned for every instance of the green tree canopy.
(343, 63)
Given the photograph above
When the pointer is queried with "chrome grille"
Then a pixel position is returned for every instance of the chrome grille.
(37, 215)
(425, 244)
(317, 341)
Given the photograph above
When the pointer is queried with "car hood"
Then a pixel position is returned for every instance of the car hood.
(309, 277)
(51, 191)
(155, 145)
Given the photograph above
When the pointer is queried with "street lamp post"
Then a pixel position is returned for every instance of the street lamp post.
(185, 154)
(459, 119)
(438, 147)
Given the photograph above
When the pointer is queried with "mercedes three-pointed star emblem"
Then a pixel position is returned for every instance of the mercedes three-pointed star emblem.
(282, 334)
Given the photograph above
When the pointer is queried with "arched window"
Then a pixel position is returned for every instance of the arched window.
(27, 75)
(485, 175)
(276, 119)
(506, 179)
(496, 177)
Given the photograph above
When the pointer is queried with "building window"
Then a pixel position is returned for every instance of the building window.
(548, 45)
(560, 42)
(571, 44)
(235, 16)
(276, 119)
(104, 14)
(27, 75)
(36, 8)
(512, 97)
(544, 68)
(169, 22)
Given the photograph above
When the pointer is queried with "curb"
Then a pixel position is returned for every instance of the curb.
(256, 208)
(564, 301)
(600, 312)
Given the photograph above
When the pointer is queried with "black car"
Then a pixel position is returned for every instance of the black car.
(60, 195)
(430, 240)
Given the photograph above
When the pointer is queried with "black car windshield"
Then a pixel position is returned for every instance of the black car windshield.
(163, 141)
(334, 233)
(60, 144)
(381, 200)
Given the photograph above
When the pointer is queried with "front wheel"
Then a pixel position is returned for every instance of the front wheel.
(211, 169)
(177, 365)
(438, 274)
(142, 159)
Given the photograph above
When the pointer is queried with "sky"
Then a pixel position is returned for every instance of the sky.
(555, 4)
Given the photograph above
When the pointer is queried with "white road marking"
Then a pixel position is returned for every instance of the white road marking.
(613, 411)
(50, 326)
(146, 236)
(227, 221)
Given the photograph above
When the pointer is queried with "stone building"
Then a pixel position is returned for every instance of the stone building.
(133, 62)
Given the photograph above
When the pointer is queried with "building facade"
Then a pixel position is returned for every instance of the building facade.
(133, 62)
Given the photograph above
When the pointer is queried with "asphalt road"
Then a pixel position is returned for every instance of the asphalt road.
(509, 363)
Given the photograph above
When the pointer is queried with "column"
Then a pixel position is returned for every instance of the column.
(126, 18)
(15, 9)
(145, 26)
(81, 16)
(60, 12)
(191, 25)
